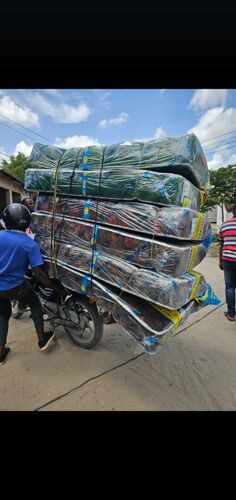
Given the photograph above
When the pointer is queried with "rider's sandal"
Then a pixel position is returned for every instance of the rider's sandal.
(228, 317)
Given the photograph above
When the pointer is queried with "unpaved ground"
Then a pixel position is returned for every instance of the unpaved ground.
(196, 371)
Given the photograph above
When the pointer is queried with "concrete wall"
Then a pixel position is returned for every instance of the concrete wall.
(11, 186)
(227, 215)
(13, 190)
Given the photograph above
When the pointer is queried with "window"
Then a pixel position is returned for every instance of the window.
(16, 197)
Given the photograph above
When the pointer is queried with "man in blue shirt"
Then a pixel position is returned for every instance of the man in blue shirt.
(17, 253)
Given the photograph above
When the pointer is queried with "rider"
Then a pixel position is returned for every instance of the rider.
(17, 252)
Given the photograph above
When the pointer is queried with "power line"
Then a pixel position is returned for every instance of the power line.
(26, 128)
(222, 135)
(1, 153)
(218, 150)
(220, 143)
(220, 146)
(18, 131)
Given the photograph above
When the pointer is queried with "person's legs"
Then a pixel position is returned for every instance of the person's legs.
(37, 313)
(5, 313)
(230, 286)
(28, 296)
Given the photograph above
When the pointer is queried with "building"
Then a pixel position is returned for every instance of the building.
(11, 190)
(215, 216)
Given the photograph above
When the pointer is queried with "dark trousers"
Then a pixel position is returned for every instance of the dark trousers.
(27, 297)
(230, 285)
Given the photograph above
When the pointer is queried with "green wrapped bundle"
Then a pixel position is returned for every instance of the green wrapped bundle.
(149, 285)
(166, 258)
(144, 186)
(181, 155)
(180, 223)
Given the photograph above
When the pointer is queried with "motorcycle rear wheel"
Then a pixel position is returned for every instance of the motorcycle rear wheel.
(85, 335)
(15, 311)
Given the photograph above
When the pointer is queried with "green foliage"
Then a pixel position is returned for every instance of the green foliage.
(16, 166)
(223, 187)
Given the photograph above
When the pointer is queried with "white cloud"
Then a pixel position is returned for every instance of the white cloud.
(121, 118)
(216, 162)
(214, 122)
(221, 159)
(59, 111)
(77, 141)
(102, 97)
(20, 114)
(162, 91)
(207, 98)
(22, 147)
(158, 134)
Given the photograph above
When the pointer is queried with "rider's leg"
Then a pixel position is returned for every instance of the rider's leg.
(5, 313)
(30, 298)
(26, 295)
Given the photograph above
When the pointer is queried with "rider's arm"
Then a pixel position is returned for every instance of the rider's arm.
(43, 277)
(38, 268)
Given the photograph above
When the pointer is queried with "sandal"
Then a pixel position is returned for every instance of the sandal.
(228, 317)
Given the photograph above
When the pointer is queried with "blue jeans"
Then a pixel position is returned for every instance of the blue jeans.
(230, 285)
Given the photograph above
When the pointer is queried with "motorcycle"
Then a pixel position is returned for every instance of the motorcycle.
(79, 314)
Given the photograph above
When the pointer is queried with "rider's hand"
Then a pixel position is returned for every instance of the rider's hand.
(63, 293)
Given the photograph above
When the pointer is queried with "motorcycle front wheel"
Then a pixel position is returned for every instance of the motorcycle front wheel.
(89, 330)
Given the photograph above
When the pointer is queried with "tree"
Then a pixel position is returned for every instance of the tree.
(16, 166)
(223, 188)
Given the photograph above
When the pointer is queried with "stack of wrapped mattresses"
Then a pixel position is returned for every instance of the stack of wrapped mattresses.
(122, 224)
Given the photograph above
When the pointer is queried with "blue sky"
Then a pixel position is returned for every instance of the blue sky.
(81, 117)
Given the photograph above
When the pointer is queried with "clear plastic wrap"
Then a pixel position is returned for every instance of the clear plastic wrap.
(149, 285)
(180, 223)
(166, 258)
(140, 185)
(150, 325)
(182, 155)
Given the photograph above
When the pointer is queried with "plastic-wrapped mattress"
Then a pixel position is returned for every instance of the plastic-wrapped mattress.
(170, 259)
(180, 223)
(149, 324)
(127, 185)
(149, 285)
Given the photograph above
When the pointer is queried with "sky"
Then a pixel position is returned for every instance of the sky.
(83, 117)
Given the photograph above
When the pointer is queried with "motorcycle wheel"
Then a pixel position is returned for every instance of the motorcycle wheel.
(106, 316)
(90, 329)
(15, 311)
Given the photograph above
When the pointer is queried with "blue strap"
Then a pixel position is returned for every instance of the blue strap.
(84, 284)
(87, 204)
(85, 166)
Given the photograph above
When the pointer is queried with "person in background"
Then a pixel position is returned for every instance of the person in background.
(30, 204)
(227, 259)
(17, 252)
